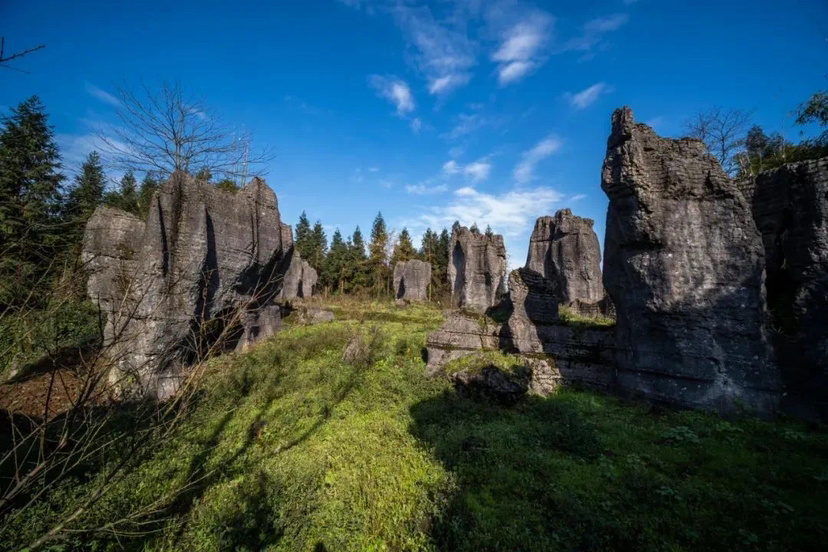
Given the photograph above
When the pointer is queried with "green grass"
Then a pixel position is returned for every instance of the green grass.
(571, 318)
(476, 362)
(292, 448)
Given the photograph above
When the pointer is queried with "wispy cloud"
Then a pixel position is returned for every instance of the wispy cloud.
(443, 52)
(466, 124)
(588, 96)
(394, 90)
(426, 189)
(593, 32)
(476, 172)
(101, 94)
(524, 171)
(416, 125)
(521, 47)
(577, 197)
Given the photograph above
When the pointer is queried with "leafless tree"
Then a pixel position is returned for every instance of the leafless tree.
(5, 58)
(167, 129)
(723, 132)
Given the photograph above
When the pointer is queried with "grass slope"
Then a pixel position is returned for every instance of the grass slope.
(293, 448)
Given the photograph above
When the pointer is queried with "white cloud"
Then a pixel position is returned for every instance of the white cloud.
(444, 54)
(373, 169)
(593, 30)
(101, 95)
(511, 212)
(466, 124)
(451, 167)
(425, 189)
(477, 171)
(416, 125)
(394, 90)
(588, 96)
(521, 47)
(524, 171)
(577, 197)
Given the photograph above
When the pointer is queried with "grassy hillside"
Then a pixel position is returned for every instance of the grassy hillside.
(293, 447)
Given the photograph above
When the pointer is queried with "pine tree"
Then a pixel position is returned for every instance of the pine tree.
(30, 209)
(333, 274)
(126, 196)
(474, 229)
(354, 273)
(489, 231)
(148, 188)
(303, 236)
(404, 249)
(377, 256)
(84, 196)
(318, 246)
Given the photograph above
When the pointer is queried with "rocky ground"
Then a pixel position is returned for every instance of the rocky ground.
(330, 437)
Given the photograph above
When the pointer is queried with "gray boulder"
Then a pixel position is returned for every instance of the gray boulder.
(204, 277)
(790, 207)
(476, 270)
(684, 266)
(411, 279)
(565, 250)
(300, 277)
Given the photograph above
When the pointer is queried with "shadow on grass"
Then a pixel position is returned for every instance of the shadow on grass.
(505, 461)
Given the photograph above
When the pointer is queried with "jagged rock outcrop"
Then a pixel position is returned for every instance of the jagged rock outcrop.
(565, 250)
(555, 353)
(205, 268)
(476, 270)
(300, 277)
(411, 279)
(790, 208)
(684, 265)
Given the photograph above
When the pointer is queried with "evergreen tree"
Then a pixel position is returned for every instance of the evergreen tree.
(148, 188)
(126, 196)
(84, 196)
(204, 175)
(440, 269)
(302, 241)
(404, 249)
(333, 274)
(377, 256)
(474, 229)
(318, 246)
(30, 209)
(227, 185)
(355, 273)
(455, 226)
(489, 231)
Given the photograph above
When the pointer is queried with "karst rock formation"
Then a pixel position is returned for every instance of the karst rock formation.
(720, 286)
(204, 272)
(411, 279)
(476, 270)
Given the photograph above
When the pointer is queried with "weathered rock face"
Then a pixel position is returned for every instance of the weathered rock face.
(111, 243)
(300, 277)
(476, 270)
(555, 353)
(684, 265)
(411, 279)
(790, 207)
(565, 250)
(205, 266)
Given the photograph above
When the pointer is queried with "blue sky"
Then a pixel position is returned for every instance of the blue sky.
(495, 112)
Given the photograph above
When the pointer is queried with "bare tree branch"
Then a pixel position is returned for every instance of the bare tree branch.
(723, 133)
(168, 129)
(16, 55)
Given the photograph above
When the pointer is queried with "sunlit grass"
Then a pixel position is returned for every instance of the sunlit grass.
(293, 448)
